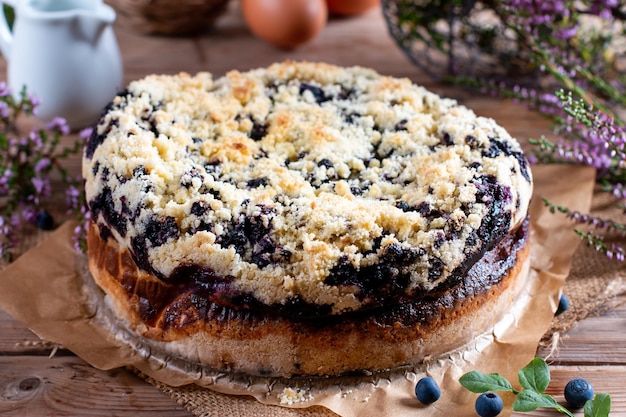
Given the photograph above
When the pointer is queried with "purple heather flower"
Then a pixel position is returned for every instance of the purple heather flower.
(4, 89)
(42, 186)
(619, 191)
(35, 102)
(35, 138)
(4, 181)
(566, 33)
(85, 133)
(42, 165)
(29, 214)
(72, 197)
(4, 110)
(59, 124)
(77, 237)
(16, 219)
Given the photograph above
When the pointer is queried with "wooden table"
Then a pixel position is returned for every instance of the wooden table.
(35, 380)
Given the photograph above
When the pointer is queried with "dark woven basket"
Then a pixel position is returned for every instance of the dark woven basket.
(168, 17)
(464, 38)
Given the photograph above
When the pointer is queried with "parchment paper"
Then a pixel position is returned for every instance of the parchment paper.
(49, 290)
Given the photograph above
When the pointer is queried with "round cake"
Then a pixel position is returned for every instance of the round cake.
(304, 219)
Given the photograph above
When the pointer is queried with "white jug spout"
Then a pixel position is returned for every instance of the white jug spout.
(91, 24)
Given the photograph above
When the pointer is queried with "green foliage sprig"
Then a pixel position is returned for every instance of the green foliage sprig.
(534, 379)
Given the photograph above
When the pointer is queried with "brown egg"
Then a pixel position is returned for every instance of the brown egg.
(285, 23)
(350, 7)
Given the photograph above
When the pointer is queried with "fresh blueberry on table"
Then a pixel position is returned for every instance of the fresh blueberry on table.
(577, 392)
(563, 305)
(44, 220)
(488, 404)
(427, 391)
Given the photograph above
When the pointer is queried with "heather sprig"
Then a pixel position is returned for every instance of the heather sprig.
(593, 238)
(565, 59)
(30, 163)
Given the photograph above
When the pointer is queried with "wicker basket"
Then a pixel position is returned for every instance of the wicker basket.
(168, 17)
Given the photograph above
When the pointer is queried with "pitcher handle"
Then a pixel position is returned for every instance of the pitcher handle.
(6, 35)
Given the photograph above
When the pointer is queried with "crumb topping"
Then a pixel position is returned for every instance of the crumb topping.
(302, 183)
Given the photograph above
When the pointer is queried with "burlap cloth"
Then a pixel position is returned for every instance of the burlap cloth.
(593, 287)
(594, 281)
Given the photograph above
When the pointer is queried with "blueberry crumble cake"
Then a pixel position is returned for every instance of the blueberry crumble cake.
(304, 219)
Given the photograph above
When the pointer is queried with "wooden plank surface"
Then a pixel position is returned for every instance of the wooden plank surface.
(38, 380)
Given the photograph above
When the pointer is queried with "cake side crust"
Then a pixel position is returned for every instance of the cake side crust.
(254, 343)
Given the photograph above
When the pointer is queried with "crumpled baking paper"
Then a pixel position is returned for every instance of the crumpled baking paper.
(50, 290)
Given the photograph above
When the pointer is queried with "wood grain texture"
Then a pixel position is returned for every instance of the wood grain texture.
(597, 340)
(34, 384)
(67, 386)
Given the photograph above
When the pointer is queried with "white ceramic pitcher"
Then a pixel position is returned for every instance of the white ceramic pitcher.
(65, 53)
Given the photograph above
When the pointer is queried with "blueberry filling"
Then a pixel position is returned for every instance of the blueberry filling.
(447, 140)
(157, 231)
(424, 208)
(327, 163)
(96, 139)
(496, 223)
(436, 269)
(258, 131)
(351, 118)
(213, 297)
(161, 229)
(403, 205)
(104, 204)
(187, 178)
(257, 182)
(139, 170)
(379, 282)
(472, 142)
(317, 92)
(401, 126)
(497, 147)
(199, 208)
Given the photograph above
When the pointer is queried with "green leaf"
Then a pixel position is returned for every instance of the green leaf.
(600, 406)
(535, 376)
(479, 382)
(529, 400)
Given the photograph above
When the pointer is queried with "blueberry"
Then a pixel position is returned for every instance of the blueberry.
(258, 131)
(577, 392)
(44, 220)
(563, 304)
(427, 391)
(489, 404)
